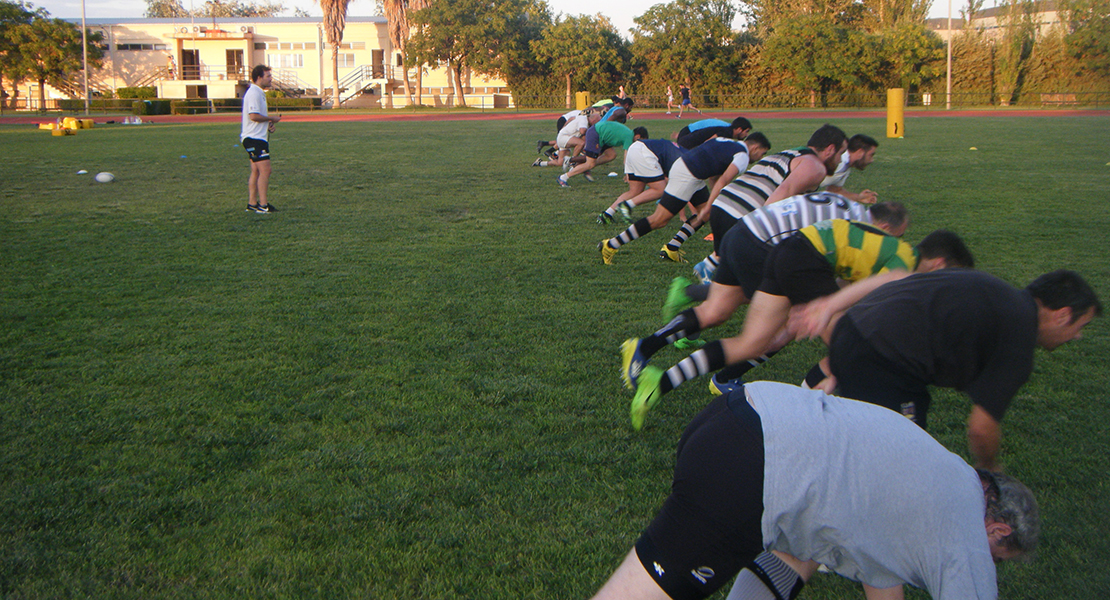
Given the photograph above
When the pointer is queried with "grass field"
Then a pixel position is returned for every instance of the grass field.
(404, 384)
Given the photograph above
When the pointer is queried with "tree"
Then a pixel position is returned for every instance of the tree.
(688, 40)
(581, 49)
(173, 9)
(335, 21)
(911, 55)
(1015, 47)
(12, 15)
(488, 36)
(1088, 32)
(816, 53)
(400, 29)
(50, 50)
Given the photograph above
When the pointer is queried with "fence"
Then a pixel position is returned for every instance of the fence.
(734, 102)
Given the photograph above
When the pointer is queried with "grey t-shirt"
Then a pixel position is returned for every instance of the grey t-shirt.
(868, 493)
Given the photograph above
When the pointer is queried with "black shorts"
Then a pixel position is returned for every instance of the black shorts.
(720, 222)
(258, 150)
(796, 269)
(742, 259)
(674, 204)
(710, 526)
(559, 124)
(864, 374)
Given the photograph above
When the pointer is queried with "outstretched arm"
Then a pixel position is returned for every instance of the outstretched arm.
(812, 319)
(984, 436)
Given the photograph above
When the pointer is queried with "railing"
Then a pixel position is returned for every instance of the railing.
(358, 78)
(208, 73)
(842, 101)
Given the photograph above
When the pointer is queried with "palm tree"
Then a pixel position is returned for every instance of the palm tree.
(397, 13)
(335, 20)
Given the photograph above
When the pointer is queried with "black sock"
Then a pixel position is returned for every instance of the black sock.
(683, 325)
(698, 292)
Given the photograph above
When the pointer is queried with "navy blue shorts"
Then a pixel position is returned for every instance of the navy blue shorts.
(258, 150)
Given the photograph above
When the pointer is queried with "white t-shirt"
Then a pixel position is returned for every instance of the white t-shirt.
(254, 101)
(840, 176)
(865, 491)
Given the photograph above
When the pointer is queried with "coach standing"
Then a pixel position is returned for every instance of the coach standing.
(255, 137)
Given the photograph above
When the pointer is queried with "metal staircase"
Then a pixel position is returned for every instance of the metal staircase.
(355, 82)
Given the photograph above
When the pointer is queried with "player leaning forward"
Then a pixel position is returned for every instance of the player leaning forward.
(255, 137)
(752, 473)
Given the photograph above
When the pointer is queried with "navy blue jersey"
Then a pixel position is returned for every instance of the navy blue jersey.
(666, 151)
(712, 158)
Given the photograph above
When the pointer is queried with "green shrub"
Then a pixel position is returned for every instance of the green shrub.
(140, 92)
(150, 107)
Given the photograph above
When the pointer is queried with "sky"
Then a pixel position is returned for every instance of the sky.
(620, 12)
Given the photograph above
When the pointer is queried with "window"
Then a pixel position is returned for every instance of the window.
(400, 60)
(134, 47)
(346, 61)
(285, 61)
(285, 45)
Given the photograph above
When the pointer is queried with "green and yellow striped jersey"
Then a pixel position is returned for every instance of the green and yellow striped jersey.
(858, 250)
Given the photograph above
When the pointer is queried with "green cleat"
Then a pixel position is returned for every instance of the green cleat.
(672, 255)
(647, 395)
(677, 300)
(607, 253)
(689, 344)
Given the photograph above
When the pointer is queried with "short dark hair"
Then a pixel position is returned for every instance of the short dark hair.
(893, 214)
(827, 135)
(641, 131)
(860, 141)
(627, 103)
(757, 138)
(1064, 288)
(258, 71)
(741, 123)
(945, 244)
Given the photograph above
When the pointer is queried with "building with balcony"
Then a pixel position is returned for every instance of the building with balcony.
(212, 58)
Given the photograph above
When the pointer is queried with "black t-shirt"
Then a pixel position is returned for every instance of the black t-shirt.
(955, 328)
(695, 138)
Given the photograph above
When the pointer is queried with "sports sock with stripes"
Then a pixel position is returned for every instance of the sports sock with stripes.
(684, 325)
(708, 359)
(634, 231)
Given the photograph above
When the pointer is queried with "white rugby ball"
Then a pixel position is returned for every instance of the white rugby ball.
(105, 177)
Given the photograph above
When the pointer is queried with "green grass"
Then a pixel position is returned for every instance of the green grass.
(404, 385)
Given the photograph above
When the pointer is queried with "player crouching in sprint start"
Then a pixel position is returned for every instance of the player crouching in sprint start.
(802, 268)
(752, 495)
(717, 161)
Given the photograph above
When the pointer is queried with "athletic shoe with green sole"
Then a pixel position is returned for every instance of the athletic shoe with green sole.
(647, 396)
(607, 253)
(689, 344)
(632, 362)
(677, 300)
(672, 255)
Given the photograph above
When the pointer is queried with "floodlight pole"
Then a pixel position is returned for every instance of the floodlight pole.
(85, 56)
(948, 95)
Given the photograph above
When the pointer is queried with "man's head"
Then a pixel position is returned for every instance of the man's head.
(1012, 519)
(262, 76)
(829, 142)
(741, 127)
(640, 133)
(593, 116)
(758, 146)
(891, 217)
(861, 151)
(627, 103)
(942, 249)
(1065, 304)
